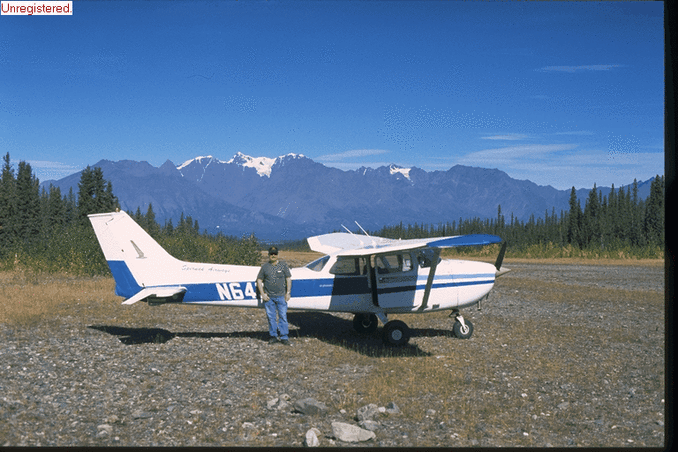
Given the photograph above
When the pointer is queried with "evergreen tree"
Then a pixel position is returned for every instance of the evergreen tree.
(95, 195)
(7, 205)
(71, 212)
(635, 233)
(27, 220)
(654, 213)
(56, 209)
(169, 228)
(574, 221)
(151, 224)
(591, 219)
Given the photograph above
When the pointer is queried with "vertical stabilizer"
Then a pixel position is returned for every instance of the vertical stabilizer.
(136, 260)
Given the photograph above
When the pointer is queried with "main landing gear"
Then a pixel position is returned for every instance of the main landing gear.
(396, 332)
(365, 323)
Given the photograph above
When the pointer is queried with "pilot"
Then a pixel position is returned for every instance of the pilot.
(274, 282)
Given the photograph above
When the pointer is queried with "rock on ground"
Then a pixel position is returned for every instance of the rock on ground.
(351, 433)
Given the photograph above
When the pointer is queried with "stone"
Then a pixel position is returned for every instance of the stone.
(368, 412)
(351, 433)
(392, 408)
(138, 414)
(563, 406)
(309, 406)
(369, 424)
(311, 439)
(104, 430)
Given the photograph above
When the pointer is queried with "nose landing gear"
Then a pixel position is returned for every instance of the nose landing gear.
(462, 329)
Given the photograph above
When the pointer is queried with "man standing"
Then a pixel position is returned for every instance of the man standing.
(275, 286)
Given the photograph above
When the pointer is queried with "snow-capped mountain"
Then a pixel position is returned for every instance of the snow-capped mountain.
(291, 196)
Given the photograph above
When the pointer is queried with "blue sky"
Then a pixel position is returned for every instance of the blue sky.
(561, 93)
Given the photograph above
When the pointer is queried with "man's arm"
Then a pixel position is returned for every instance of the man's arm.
(260, 286)
(288, 294)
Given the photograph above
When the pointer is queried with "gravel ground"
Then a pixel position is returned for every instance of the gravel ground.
(207, 377)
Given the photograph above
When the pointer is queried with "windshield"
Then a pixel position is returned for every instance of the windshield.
(318, 264)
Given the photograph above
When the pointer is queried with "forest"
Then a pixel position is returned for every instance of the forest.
(618, 225)
(46, 230)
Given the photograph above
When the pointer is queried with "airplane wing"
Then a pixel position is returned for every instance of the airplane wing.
(338, 241)
(464, 240)
(158, 292)
(344, 244)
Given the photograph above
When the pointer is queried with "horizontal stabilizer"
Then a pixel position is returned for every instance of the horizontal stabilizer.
(157, 292)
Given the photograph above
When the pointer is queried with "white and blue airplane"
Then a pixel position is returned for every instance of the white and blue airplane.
(370, 277)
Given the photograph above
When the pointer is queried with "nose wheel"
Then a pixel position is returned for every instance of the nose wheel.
(463, 329)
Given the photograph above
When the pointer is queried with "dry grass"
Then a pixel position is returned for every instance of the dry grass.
(31, 299)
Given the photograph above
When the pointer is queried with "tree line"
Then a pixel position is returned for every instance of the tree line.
(45, 230)
(620, 223)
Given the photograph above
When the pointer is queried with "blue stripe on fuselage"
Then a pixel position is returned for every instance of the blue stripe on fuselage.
(126, 286)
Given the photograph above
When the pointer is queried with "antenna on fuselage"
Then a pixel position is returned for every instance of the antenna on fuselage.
(347, 229)
(374, 242)
(361, 228)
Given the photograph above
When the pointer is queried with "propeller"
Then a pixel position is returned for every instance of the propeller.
(500, 259)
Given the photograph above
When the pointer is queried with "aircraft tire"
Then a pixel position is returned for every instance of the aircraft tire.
(365, 323)
(396, 333)
(463, 333)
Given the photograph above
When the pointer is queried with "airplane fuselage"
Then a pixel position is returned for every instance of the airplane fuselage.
(457, 284)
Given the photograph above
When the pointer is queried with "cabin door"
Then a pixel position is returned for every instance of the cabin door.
(396, 279)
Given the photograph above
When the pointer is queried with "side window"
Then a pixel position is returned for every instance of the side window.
(407, 262)
(394, 263)
(318, 264)
(354, 266)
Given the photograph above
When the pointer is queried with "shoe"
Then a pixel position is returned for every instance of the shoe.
(273, 340)
(285, 342)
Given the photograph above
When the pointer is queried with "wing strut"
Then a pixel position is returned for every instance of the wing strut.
(431, 276)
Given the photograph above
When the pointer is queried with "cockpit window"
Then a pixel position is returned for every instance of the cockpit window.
(318, 264)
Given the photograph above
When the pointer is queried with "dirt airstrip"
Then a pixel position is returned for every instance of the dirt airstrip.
(562, 355)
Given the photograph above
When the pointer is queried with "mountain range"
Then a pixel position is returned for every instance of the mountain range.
(292, 197)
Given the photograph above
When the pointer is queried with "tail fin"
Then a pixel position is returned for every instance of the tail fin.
(136, 260)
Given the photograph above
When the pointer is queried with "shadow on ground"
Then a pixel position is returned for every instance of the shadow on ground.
(325, 327)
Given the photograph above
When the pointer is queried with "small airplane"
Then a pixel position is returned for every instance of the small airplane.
(370, 277)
